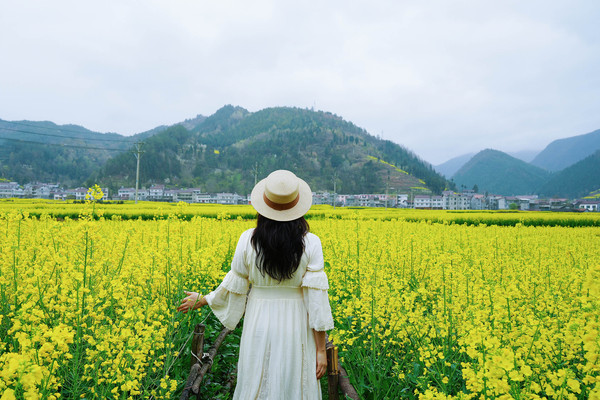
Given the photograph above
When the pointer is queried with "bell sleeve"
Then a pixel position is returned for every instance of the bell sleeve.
(228, 301)
(314, 287)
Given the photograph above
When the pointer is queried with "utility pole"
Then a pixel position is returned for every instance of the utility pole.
(387, 185)
(334, 187)
(386, 195)
(138, 154)
(255, 171)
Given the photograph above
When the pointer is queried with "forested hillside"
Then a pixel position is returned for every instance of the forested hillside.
(563, 153)
(496, 172)
(575, 181)
(223, 152)
(68, 154)
(46, 152)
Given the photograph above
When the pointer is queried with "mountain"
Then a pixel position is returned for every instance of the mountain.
(562, 153)
(575, 181)
(524, 155)
(450, 167)
(43, 151)
(496, 172)
(46, 152)
(224, 151)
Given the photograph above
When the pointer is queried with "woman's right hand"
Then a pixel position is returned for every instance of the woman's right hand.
(193, 301)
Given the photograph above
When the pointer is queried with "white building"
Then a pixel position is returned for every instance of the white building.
(156, 192)
(40, 190)
(186, 195)
(78, 193)
(496, 202)
(477, 202)
(402, 200)
(422, 202)
(60, 195)
(456, 201)
(438, 203)
(228, 198)
(10, 189)
(202, 198)
(129, 194)
(589, 205)
(169, 195)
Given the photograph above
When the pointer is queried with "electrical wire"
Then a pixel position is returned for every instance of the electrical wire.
(63, 136)
(64, 145)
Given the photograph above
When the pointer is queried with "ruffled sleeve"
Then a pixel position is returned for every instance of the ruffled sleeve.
(314, 286)
(228, 301)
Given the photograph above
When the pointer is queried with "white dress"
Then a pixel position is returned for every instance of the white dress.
(277, 350)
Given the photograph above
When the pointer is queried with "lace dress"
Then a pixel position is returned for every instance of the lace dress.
(277, 350)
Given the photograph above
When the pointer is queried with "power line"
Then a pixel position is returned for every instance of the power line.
(64, 145)
(63, 136)
(55, 128)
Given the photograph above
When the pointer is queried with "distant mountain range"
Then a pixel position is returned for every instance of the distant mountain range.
(229, 149)
(558, 170)
(577, 180)
(563, 153)
(497, 172)
(222, 152)
(449, 168)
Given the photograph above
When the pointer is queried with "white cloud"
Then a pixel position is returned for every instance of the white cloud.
(442, 78)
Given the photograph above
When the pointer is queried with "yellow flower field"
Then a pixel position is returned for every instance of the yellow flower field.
(422, 309)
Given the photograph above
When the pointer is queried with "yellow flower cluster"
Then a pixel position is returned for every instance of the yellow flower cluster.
(390, 165)
(152, 210)
(467, 311)
(88, 306)
(428, 310)
(94, 193)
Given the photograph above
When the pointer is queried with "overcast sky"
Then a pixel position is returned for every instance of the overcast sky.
(440, 77)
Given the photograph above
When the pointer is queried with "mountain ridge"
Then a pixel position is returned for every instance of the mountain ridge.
(220, 152)
(496, 172)
(316, 141)
(577, 180)
(562, 153)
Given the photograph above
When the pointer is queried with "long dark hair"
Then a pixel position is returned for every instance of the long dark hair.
(279, 246)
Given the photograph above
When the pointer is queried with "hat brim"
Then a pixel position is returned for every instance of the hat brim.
(300, 209)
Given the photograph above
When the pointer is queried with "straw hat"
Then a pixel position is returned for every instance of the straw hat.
(281, 196)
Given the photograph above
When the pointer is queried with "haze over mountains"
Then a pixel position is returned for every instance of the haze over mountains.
(229, 149)
(567, 167)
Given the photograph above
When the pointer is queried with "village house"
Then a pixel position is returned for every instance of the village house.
(60, 195)
(496, 202)
(456, 201)
(129, 194)
(588, 205)
(155, 193)
(422, 202)
(402, 200)
(322, 198)
(40, 190)
(204, 198)
(478, 202)
(185, 195)
(77, 193)
(449, 200)
(169, 195)
(437, 202)
(10, 189)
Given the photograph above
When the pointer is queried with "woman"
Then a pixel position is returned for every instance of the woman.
(282, 350)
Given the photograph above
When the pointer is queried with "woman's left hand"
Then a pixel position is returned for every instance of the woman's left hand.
(193, 301)
(321, 363)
